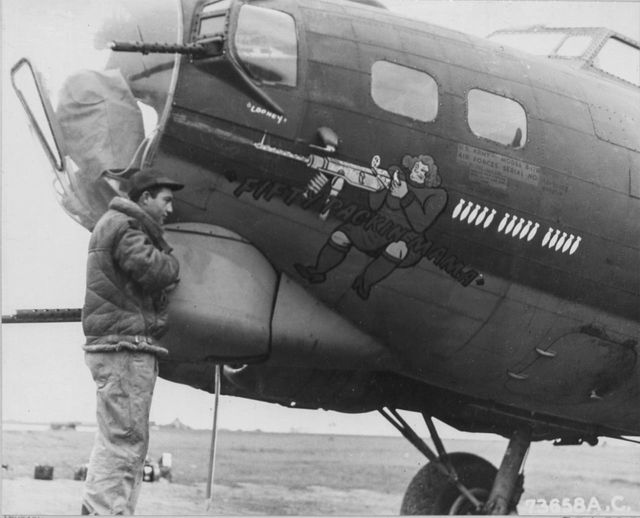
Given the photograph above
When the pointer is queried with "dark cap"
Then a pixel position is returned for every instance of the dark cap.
(148, 178)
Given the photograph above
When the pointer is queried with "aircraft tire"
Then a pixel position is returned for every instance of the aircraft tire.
(431, 492)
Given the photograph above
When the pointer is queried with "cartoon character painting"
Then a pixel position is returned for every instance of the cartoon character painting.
(402, 213)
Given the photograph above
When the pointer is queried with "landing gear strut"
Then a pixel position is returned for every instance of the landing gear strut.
(507, 486)
(461, 483)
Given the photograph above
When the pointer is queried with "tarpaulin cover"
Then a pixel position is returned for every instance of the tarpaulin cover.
(101, 121)
(102, 128)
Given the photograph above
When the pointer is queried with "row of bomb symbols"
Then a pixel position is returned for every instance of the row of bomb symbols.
(474, 214)
(515, 226)
(561, 241)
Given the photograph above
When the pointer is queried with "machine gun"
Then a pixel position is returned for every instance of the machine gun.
(370, 178)
(40, 316)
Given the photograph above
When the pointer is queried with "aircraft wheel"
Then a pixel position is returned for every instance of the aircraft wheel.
(431, 492)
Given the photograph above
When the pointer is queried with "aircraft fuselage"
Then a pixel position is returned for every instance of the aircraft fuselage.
(473, 209)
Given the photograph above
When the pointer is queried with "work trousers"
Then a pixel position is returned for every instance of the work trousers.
(125, 382)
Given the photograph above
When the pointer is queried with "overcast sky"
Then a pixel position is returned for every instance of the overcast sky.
(44, 251)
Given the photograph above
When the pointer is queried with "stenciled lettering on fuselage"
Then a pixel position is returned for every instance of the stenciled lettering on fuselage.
(259, 110)
(496, 170)
(391, 230)
(499, 171)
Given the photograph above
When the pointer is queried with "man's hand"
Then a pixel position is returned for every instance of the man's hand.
(375, 163)
(384, 182)
(399, 187)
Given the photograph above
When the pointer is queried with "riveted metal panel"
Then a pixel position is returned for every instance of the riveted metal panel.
(376, 33)
(589, 158)
(328, 23)
(617, 126)
(634, 175)
(558, 109)
(584, 367)
(421, 44)
(334, 51)
(322, 83)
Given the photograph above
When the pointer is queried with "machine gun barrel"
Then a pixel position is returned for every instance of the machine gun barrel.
(192, 49)
(367, 178)
(38, 316)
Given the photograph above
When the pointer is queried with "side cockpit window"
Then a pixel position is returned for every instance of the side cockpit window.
(574, 46)
(405, 91)
(619, 59)
(496, 118)
(213, 18)
(267, 45)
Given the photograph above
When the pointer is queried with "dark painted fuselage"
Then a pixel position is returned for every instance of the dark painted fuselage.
(575, 175)
(517, 280)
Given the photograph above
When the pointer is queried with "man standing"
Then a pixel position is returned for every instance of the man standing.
(129, 270)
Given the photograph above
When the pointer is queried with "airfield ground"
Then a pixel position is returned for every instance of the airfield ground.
(295, 474)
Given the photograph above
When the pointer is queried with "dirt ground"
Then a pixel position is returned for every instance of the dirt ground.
(62, 497)
(297, 474)
(256, 474)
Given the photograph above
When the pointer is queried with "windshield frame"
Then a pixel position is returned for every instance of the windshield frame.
(233, 53)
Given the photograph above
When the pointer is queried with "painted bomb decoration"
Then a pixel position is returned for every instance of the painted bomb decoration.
(514, 226)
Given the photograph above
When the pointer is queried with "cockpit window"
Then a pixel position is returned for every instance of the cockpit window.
(404, 91)
(574, 46)
(497, 118)
(213, 18)
(619, 59)
(216, 7)
(267, 45)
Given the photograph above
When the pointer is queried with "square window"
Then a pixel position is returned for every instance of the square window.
(405, 91)
(497, 118)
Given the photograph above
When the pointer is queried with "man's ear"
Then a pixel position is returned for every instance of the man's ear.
(144, 197)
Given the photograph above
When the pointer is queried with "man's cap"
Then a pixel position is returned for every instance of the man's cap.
(148, 178)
